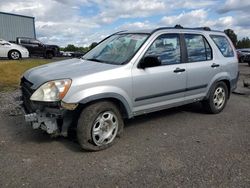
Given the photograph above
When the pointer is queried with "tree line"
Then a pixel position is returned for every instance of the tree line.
(242, 43)
(73, 48)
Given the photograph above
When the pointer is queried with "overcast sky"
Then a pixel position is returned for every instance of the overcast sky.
(81, 22)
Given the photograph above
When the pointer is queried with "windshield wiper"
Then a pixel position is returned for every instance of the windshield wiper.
(94, 59)
(101, 61)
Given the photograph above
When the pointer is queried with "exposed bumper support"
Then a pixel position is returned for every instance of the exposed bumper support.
(40, 120)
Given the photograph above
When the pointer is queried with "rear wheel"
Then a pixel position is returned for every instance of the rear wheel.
(98, 126)
(217, 98)
(14, 54)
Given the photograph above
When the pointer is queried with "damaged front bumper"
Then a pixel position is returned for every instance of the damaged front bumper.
(53, 120)
(53, 117)
(40, 120)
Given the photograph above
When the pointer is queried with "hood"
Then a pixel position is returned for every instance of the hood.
(72, 68)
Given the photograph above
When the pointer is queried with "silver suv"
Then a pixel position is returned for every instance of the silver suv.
(128, 74)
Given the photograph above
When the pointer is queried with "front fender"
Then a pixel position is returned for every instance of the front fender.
(101, 92)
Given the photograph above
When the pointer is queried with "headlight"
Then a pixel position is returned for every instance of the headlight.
(52, 91)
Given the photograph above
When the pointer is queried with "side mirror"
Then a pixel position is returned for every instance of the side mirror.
(150, 61)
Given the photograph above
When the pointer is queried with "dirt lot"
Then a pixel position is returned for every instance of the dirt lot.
(180, 147)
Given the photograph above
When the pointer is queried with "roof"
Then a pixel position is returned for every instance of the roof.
(11, 14)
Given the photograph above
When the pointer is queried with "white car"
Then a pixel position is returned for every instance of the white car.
(12, 51)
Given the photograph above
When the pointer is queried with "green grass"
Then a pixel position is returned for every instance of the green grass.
(11, 71)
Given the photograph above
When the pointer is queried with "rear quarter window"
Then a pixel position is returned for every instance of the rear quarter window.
(223, 44)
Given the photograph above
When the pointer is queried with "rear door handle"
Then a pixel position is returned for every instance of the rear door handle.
(179, 70)
(215, 65)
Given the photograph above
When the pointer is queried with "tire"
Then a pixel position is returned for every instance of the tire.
(14, 54)
(98, 125)
(49, 55)
(217, 99)
(241, 60)
(249, 64)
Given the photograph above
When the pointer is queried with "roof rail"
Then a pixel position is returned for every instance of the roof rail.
(201, 28)
(178, 26)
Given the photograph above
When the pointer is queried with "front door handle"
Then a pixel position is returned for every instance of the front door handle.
(215, 65)
(179, 70)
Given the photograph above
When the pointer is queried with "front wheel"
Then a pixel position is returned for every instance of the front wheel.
(217, 99)
(14, 54)
(98, 126)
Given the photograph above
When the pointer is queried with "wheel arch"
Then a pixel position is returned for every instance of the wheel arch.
(225, 80)
(11, 50)
(119, 100)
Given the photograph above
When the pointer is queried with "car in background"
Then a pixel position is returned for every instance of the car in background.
(37, 48)
(77, 54)
(247, 59)
(12, 51)
(244, 55)
(66, 54)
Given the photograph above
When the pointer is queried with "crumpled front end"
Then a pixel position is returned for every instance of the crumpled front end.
(48, 116)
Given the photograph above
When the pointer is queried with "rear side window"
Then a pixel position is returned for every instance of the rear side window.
(34, 42)
(223, 44)
(24, 41)
(198, 48)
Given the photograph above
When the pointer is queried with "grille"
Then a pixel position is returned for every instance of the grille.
(27, 91)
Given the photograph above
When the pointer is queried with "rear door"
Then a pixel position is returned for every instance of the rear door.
(160, 86)
(200, 66)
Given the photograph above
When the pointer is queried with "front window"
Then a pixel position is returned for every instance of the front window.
(167, 48)
(33, 41)
(117, 49)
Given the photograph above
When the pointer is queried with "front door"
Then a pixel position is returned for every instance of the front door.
(37, 47)
(164, 85)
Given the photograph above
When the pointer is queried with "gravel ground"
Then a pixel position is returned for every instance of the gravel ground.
(180, 147)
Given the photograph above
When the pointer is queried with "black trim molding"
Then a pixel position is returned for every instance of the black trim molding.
(170, 93)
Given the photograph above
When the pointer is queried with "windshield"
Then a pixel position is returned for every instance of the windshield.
(4, 42)
(117, 49)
